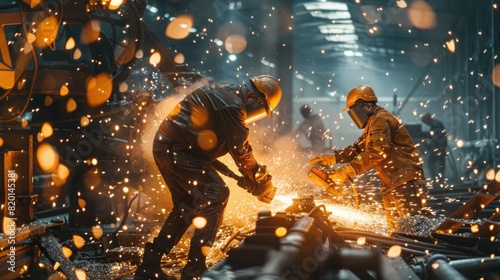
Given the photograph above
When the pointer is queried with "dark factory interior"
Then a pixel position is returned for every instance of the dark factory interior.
(85, 85)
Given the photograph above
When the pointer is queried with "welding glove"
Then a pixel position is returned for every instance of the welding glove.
(265, 189)
(324, 160)
(342, 174)
(247, 184)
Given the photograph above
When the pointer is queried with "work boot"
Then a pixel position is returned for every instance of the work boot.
(150, 267)
(195, 266)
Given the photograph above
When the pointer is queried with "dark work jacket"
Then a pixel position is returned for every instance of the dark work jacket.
(211, 122)
(438, 134)
(386, 146)
(314, 129)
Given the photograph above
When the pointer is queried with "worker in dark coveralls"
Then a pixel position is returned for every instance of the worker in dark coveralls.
(386, 146)
(209, 123)
(313, 128)
(438, 147)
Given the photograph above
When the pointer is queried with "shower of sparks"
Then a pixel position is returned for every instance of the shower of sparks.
(136, 175)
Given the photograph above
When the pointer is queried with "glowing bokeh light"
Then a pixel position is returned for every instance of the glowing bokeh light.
(78, 241)
(401, 4)
(82, 203)
(205, 250)
(123, 87)
(394, 251)
(61, 175)
(31, 38)
(235, 44)
(84, 121)
(199, 222)
(97, 232)
(70, 44)
(115, 4)
(490, 174)
(90, 32)
(39, 137)
(67, 252)
(496, 75)
(179, 27)
(280, 232)
(139, 54)
(47, 157)
(422, 15)
(80, 274)
(99, 89)
(474, 228)
(176, 110)
(179, 58)
(199, 116)
(33, 3)
(64, 90)
(71, 105)
(155, 58)
(207, 139)
(77, 54)
(361, 241)
(47, 101)
(47, 130)
(451, 45)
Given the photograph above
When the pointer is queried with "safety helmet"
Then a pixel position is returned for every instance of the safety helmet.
(270, 88)
(355, 103)
(362, 92)
(306, 111)
(426, 118)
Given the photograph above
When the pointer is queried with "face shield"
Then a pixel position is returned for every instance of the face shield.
(256, 109)
(268, 98)
(358, 114)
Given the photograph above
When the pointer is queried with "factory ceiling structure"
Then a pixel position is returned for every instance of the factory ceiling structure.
(84, 85)
(409, 51)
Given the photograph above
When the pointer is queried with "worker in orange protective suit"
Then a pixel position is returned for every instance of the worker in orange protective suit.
(386, 146)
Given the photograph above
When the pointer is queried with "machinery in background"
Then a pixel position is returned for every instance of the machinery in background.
(78, 68)
(302, 243)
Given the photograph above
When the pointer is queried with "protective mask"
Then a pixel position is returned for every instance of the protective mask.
(256, 110)
(358, 115)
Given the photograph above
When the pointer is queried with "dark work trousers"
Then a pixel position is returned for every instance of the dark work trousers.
(197, 191)
(409, 199)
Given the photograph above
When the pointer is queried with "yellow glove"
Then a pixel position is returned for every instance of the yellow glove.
(342, 174)
(325, 160)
